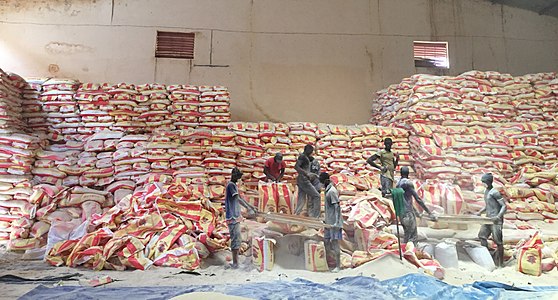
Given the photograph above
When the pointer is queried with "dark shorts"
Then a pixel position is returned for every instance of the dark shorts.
(387, 184)
(234, 232)
(333, 234)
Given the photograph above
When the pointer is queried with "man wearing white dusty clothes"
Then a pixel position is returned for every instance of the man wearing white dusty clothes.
(495, 209)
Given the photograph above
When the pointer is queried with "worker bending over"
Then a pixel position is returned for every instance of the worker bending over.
(332, 217)
(495, 209)
(274, 167)
(232, 213)
(306, 190)
(409, 220)
(388, 161)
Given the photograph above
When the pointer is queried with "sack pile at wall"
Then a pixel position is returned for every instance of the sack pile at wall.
(17, 153)
(460, 155)
(65, 107)
(472, 98)
(477, 122)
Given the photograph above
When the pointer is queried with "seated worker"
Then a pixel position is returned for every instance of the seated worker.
(232, 214)
(332, 217)
(409, 219)
(274, 167)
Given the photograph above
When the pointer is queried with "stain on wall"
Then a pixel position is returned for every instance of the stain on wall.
(66, 48)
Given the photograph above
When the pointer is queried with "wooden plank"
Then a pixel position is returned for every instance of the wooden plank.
(464, 219)
(294, 220)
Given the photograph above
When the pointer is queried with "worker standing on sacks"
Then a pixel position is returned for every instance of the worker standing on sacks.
(495, 209)
(388, 161)
(306, 190)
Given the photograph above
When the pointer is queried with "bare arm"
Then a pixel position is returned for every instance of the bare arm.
(268, 174)
(371, 161)
(246, 205)
(337, 209)
(281, 173)
(419, 200)
(503, 207)
(481, 211)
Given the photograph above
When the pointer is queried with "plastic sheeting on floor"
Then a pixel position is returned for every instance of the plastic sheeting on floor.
(412, 286)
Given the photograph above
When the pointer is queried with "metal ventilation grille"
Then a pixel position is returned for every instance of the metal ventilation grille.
(175, 44)
(431, 54)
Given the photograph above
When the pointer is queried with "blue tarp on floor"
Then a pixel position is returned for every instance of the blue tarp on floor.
(412, 286)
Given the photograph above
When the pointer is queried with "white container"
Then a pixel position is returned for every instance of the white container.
(481, 257)
(446, 254)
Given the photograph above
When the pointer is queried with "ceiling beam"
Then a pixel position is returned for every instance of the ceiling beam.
(548, 8)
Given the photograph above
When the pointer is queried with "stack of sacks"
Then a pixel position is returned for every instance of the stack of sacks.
(160, 150)
(275, 138)
(251, 156)
(97, 159)
(223, 155)
(184, 106)
(17, 152)
(162, 225)
(94, 108)
(459, 153)
(472, 97)
(196, 144)
(58, 164)
(333, 148)
(60, 106)
(214, 107)
(548, 139)
(124, 99)
(443, 195)
(129, 158)
(32, 107)
(11, 88)
(532, 194)
(301, 134)
(153, 106)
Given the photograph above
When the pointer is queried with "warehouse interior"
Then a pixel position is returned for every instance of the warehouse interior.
(120, 123)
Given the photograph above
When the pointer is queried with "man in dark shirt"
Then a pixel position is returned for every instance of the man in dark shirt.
(495, 209)
(274, 167)
(409, 219)
(232, 213)
(306, 190)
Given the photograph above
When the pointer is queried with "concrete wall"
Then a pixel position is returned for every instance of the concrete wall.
(288, 60)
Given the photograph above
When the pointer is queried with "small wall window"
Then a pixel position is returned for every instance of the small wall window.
(431, 54)
(175, 44)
